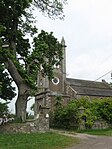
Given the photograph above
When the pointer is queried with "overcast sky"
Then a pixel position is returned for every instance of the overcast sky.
(87, 29)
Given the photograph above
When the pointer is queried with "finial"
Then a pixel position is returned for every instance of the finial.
(63, 41)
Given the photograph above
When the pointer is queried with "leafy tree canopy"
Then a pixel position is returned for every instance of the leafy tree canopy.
(3, 109)
(18, 57)
(17, 21)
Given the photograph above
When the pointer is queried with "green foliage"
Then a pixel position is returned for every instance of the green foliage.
(88, 117)
(17, 26)
(46, 50)
(7, 91)
(58, 102)
(71, 116)
(53, 8)
(66, 117)
(3, 109)
(21, 60)
(104, 109)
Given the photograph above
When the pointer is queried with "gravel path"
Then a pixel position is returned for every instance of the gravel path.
(89, 141)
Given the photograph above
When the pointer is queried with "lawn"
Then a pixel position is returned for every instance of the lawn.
(106, 132)
(36, 141)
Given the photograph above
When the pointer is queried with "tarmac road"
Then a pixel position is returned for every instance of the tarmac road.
(89, 141)
(93, 142)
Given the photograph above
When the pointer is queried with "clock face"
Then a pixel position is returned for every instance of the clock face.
(55, 81)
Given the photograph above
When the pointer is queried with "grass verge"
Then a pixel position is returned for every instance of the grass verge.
(36, 141)
(106, 132)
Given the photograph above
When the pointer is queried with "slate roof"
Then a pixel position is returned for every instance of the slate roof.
(90, 88)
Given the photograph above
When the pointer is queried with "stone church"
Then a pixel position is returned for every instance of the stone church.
(70, 88)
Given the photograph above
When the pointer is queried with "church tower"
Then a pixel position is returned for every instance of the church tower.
(50, 89)
(56, 85)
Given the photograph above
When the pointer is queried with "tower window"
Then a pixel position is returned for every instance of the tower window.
(55, 80)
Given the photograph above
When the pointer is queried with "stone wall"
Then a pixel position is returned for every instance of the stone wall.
(28, 127)
(100, 125)
(42, 124)
(18, 128)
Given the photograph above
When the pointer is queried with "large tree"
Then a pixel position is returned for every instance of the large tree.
(17, 57)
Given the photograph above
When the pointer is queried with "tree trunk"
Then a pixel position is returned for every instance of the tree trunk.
(21, 109)
(23, 90)
(21, 103)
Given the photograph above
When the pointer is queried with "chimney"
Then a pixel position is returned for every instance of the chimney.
(103, 81)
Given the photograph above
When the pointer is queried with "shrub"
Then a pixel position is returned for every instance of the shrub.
(105, 109)
(65, 117)
(70, 116)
